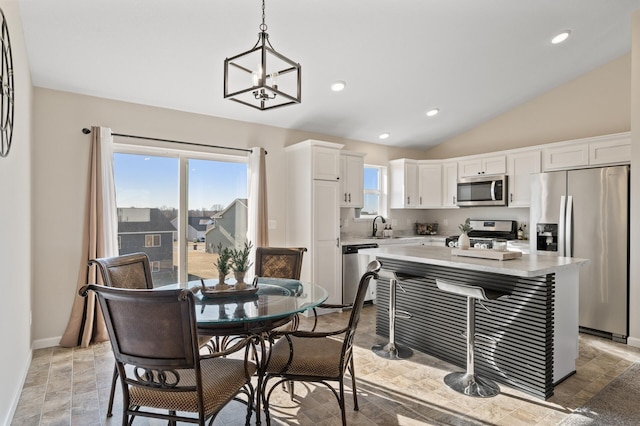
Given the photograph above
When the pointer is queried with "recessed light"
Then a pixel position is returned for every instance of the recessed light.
(338, 86)
(561, 37)
(433, 112)
(384, 135)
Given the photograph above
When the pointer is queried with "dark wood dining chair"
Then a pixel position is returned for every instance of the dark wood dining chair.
(279, 262)
(162, 373)
(132, 271)
(312, 356)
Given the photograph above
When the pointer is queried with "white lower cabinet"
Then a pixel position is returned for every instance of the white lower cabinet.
(327, 260)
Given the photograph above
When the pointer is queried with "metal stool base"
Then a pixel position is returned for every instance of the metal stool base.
(471, 385)
(392, 351)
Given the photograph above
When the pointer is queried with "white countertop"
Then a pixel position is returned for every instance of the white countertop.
(410, 239)
(525, 266)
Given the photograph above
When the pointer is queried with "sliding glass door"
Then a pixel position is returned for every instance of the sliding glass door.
(179, 208)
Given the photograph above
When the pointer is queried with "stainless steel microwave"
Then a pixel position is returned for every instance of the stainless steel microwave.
(482, 191)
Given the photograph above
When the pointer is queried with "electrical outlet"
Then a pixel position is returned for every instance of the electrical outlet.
(445, 222)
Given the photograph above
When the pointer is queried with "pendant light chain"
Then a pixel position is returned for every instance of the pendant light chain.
(263, 26)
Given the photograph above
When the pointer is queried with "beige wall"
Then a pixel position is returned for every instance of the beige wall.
(15, 229)
(634, 234)
(60, 161)
(597, 103)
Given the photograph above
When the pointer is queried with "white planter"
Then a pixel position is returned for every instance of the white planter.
(463, 241)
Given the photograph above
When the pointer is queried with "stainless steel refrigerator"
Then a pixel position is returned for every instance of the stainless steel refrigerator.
(585, 213)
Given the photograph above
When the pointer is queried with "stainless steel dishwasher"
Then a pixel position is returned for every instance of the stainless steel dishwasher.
(353, 266)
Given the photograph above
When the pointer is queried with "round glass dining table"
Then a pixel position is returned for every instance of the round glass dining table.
(275, 303)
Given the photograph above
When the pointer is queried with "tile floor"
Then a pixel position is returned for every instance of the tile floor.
(71, 387)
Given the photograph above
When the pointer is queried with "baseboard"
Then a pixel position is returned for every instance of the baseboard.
(46, 343)
(633, 341)
(16, 397)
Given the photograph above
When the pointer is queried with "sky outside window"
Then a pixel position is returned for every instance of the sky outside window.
(149, 181)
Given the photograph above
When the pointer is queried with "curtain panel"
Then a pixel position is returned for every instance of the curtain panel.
(257, 228)
(86, 324)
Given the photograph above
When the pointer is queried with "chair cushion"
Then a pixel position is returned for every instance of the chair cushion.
(312, 356)
(221, 380)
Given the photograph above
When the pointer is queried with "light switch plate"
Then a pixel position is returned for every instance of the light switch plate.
(272, 224)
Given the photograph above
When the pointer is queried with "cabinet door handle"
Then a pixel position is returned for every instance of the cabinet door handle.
(408, 200)
(511, 197)
(337, 240)
(345, 197)
(454, 199)
(349, 197)
(420, 200)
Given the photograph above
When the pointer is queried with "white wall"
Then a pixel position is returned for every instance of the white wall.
(634, 235)
(60, 161)
(15, 230)
(596, 103)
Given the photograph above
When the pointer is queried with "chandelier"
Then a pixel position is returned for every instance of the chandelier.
(261, 77)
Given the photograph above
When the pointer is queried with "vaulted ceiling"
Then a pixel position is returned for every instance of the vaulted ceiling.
(471, 59)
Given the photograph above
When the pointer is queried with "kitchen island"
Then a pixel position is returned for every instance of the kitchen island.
(530, 337)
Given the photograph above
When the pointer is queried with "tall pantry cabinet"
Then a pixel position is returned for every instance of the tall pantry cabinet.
(313, 212)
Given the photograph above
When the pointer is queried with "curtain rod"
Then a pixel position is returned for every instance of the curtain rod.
(86, 131)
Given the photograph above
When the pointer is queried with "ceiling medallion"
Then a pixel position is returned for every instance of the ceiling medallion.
(6, 92)
(261, 77)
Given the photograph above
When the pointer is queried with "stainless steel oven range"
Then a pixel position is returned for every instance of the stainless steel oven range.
(485, 231)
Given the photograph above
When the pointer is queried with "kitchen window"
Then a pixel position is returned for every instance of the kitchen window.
(375, 192)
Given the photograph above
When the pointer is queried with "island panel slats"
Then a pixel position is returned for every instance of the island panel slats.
(518, 350)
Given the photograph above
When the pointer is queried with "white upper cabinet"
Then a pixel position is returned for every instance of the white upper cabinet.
(403, 192)
(485, 165)
(325, 163)
(520, 167)
(351, 179)
(615, 150)
(565, 157)
(597, 151)
(429, 184)
(449, 183)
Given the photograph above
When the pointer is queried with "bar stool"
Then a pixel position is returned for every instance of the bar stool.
(392, 350)
(467, 382)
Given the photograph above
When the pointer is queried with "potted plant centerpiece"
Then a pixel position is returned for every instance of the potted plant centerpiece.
(463, 239)
(240, 264)
(223, 264)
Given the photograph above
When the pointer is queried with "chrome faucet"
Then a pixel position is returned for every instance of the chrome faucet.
(375, 228)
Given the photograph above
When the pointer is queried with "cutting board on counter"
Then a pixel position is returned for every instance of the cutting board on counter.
(486, 253)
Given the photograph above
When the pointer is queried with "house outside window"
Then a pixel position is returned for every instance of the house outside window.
(152, 240)
(155, 266)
